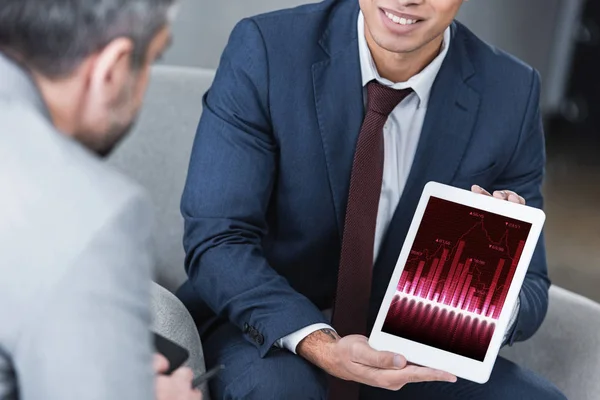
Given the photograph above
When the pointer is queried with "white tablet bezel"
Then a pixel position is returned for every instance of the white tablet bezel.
(432, 357)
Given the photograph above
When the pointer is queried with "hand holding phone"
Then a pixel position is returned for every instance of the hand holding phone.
(176, 386)
(174, 353)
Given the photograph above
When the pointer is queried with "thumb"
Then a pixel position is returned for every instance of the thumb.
(160, 363)
(389, 360)
(380, 359)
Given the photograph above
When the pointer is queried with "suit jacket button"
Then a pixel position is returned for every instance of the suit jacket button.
(260, 339)
(246, 327)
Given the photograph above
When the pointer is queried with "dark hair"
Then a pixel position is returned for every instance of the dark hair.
(53, 37)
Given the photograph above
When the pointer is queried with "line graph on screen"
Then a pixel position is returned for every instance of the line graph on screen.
(457, 277)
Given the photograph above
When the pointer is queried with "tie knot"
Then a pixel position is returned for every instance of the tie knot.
(382, 99)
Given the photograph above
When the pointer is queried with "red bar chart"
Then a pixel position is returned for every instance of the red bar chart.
(457, 277)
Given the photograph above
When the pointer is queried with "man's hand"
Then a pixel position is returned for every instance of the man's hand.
(507, 195)
(352, 359)
(177, 386)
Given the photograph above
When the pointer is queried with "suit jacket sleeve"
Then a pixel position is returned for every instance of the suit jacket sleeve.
(88, 336)
(231, 177)
(524, 175)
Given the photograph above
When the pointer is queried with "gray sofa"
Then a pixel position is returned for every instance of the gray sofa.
(566, 350)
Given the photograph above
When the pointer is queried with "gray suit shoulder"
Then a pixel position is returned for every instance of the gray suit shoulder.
(66, 179)
(61, 199)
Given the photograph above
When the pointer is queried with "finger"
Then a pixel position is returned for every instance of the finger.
(479, 190)
(365, 355)
(423, 374)
(160, 364)
(395, 380)
(162, 385)
(501, 194)
(184, 374)
(511, 196)
(515, 198)
(382, 360)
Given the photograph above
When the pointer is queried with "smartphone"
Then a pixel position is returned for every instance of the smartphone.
(173, 352)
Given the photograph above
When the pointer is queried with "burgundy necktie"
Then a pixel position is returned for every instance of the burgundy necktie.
(356, 262)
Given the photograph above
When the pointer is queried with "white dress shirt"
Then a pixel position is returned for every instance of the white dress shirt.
(401, 134)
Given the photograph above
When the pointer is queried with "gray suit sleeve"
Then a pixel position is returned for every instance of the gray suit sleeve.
(89, 337)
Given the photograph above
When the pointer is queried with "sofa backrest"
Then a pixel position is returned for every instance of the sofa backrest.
(157, 154)
(566, 350)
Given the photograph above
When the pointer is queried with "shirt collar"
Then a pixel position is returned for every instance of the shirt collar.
(420, 83)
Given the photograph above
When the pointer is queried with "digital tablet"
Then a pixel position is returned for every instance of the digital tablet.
(457, 280)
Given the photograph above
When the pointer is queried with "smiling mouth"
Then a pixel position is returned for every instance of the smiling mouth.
(400, 20)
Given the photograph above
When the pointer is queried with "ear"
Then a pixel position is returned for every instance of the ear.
(111, 70)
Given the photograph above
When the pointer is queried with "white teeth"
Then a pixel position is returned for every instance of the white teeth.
(400, 21)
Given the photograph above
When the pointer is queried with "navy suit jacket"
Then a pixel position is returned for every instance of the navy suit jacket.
(269, 176)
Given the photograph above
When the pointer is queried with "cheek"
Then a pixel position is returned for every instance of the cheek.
(447, 9)
(368, 8)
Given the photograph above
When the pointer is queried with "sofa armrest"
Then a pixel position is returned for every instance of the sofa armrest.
(172, 320)
(566, 349)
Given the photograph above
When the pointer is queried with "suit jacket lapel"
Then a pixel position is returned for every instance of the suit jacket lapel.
(339, 101)
(449, 123)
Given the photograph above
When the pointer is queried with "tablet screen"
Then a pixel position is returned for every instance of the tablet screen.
(455, 281)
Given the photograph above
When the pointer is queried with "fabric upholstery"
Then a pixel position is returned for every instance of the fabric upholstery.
(173, 321)
(566, 350)
(157, 153)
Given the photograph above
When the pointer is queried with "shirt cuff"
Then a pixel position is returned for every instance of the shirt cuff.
(291, 341)
(513, 319)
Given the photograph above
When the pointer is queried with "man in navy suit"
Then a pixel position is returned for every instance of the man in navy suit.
(318, 135)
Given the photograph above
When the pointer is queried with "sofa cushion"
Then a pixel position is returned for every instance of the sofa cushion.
(157, 153)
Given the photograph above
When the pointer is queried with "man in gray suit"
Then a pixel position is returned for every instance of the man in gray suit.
(75, 264)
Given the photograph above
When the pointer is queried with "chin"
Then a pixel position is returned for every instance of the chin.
(399, 45)
(401, 49)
